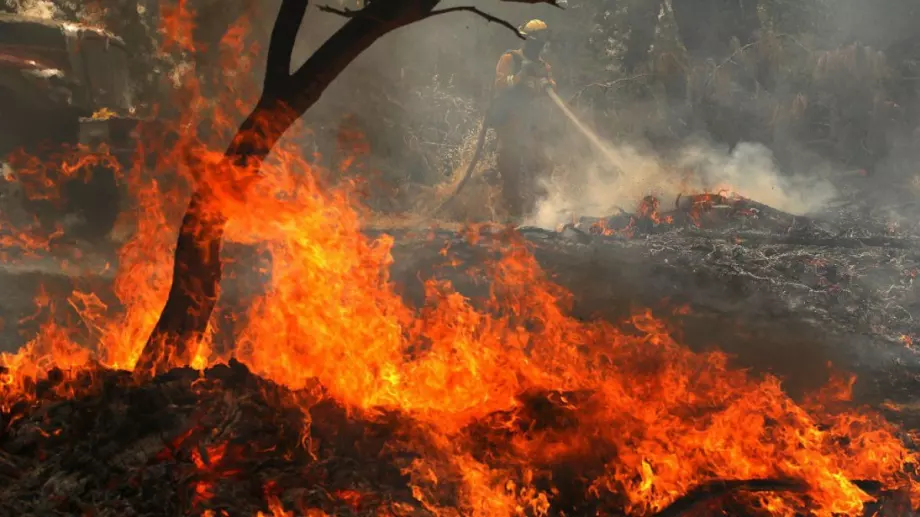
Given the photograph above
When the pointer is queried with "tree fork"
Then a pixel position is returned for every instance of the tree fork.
(286, 96)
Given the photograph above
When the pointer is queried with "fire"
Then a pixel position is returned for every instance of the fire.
(178, 25)
(500, 391)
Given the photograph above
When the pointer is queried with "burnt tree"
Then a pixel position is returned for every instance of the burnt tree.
(286, 96)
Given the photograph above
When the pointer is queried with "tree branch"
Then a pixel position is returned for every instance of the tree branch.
(350, 13)
(482, 14)
(347, 13)
(362, 29)
(283, 38)
(561, 4)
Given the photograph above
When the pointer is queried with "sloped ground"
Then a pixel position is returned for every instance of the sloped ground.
(783, 294)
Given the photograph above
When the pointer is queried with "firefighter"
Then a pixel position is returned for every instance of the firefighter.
(519, 118)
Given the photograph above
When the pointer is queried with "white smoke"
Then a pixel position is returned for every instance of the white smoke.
(751, 171)
(44, 9)
(618, 177)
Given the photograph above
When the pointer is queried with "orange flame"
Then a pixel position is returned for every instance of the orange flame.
(654, 418)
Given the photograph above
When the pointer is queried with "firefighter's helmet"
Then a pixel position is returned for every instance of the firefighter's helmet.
(535, 29)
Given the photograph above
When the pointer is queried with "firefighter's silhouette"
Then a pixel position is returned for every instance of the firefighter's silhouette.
(519, 119)
(515, 112)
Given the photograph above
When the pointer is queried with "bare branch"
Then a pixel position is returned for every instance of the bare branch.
(347, 13)
(606, 86)
(482, 14)
(350, 13)
(362, 28)
(283, 37)
(561, 4)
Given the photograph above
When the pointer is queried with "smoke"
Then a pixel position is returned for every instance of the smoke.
(751, 171)
(44, 9)
(617, 177)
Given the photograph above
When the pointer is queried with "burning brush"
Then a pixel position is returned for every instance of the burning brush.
(333, 396)
(370, 407)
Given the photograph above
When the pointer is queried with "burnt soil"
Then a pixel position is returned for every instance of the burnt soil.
(227, 441)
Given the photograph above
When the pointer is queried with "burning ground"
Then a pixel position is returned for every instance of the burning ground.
(662, 362)
(425, 371)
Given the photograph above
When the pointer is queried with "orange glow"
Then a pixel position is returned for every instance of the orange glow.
(651, 418)
(277, 510)
(178, 24)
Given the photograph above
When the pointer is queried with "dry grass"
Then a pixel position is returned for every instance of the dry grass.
(479, 201)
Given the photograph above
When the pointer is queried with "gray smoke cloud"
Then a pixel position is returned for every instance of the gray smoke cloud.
(38, 9)
(619, 176)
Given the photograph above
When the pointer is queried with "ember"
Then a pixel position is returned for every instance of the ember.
(337, 397)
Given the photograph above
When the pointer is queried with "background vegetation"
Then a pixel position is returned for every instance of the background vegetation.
(830, 81)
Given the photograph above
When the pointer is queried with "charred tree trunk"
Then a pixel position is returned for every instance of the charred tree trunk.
(197, 269)
(286, 96)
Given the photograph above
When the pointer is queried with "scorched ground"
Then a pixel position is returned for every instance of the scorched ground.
(348, 392)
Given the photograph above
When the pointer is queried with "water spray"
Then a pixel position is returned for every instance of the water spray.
(613, 158)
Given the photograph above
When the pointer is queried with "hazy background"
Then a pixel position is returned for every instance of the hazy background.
(798, 104)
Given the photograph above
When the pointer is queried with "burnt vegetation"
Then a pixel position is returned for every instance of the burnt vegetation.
(795, 297)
